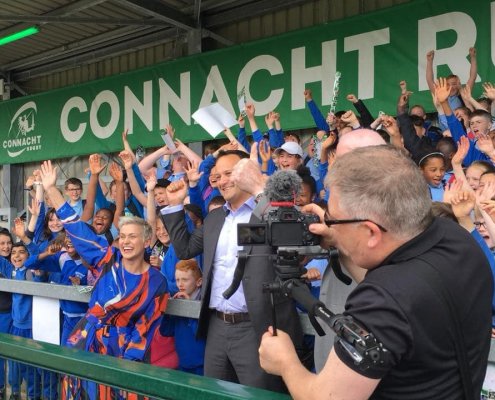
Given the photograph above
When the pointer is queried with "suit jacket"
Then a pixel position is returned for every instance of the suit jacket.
(258, 270)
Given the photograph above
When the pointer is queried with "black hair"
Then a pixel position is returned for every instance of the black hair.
(162, 183)
(19, 244)
(239, 153)
(424, 160)
(306, 177)
(449, 144)
(217, 201)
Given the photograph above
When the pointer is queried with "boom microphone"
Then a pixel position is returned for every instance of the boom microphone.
(283, 186)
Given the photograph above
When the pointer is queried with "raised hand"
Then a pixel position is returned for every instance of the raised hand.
(250, 110)
(451, 190)
(462, 150)
(247, 176)
(403, 87)
(177, 192)
(442, 90)
(229, 146)
(466, 93)
(485, 193)
(463, 203)
(116, 172)
(265, 151)
(96, 167)
(126, 144)
(151, 181)
(308, 95)
(126, 158)
(270, 119)
(485, 144)
(489, 90)
(48, 175)
(430, 55)
(18, 229)
(390, 125)
(170, 130)
(352, 98)
(350, 118)
(472, 53)
(193, 174)
(240, 121)
(35, 207)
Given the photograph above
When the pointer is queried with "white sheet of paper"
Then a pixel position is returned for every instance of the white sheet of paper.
(214, 118)
(46, 320)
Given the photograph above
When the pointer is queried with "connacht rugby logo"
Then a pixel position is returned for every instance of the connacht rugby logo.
(21, 132)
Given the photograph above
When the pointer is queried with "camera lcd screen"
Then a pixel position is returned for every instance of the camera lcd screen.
(286, 234)
(251, 234)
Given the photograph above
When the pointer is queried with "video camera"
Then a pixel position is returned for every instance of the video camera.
(284, 226)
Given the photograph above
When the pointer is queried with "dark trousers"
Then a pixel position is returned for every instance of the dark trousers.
(232, 355)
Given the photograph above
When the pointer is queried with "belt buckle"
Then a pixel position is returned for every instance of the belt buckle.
(228, 318)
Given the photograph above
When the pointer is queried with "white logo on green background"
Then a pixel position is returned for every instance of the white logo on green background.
(22, 135)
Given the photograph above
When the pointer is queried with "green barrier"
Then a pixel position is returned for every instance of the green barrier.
(143, 379)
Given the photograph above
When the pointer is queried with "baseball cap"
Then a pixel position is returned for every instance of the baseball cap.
(291, 148)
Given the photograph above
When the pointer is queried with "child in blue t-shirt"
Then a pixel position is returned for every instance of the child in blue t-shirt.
(432, 166)
(21, 320)
(191, 351)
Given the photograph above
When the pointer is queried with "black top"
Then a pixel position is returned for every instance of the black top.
(409, 317)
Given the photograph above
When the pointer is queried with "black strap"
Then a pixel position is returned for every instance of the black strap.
(433, 277)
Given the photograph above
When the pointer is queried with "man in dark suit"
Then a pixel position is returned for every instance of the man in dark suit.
(233, 327)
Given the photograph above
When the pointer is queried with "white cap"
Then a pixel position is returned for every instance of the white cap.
(291, 148)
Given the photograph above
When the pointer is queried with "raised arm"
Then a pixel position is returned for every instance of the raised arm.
(127, 159)
(189, 153)
(391, 127)
(365, 115)
(150, 205)
(118, 177)
(96, 167)
(186, 245)
(92, 248)
(473, 70)
(460, 154)
(318, 117)
(430, 78)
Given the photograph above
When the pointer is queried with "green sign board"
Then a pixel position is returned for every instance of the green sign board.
(373, 52)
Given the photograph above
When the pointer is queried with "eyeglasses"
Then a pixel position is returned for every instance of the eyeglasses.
(329, 222)
(478, 224)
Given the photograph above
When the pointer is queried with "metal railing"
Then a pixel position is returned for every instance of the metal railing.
(132, 377)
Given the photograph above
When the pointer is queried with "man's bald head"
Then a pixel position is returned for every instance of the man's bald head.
(358, 138)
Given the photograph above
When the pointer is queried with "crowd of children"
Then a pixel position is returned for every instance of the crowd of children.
(121, 246)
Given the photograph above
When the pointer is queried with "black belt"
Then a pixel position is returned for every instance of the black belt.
(232, 318)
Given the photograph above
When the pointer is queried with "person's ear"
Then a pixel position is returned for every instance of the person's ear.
(375, 234)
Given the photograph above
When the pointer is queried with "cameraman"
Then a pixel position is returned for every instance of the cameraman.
(379, 216)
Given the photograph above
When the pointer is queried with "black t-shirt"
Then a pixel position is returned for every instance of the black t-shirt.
(407, 314)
